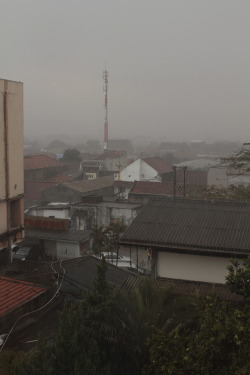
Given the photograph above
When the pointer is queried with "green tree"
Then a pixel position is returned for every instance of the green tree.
(217, 343)
(71, 155)
(238, 277)
(99, 237)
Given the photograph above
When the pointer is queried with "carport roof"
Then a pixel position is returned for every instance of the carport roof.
(68, 235)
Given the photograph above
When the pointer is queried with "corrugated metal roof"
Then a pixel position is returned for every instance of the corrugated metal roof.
(188, 224)
(14, 293)
(67, 235)
(89, 185)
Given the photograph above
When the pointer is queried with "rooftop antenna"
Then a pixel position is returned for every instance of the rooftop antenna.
(105, 89)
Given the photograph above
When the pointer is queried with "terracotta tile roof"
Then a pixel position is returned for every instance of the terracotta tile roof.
(159, 164)
(189, 225)
(154, 188)
(40, 161)
(14, 293)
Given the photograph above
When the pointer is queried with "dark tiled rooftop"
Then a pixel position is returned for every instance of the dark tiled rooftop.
(159, 164)
(188, 224)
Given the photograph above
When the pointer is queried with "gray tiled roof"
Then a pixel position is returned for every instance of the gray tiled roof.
(88, 185)
(196, 225)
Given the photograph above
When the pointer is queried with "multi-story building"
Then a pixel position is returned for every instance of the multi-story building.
(11, 167)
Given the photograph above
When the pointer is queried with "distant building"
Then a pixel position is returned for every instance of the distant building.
(147, 169)
(41, 167)
(223, 176)
(92, 210)
(11, 167)
(121, 145)
(72, 192)
(142, 191)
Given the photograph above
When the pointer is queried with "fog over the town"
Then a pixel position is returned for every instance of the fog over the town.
(178, 69)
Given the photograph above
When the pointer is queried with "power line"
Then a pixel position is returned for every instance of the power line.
(40, 308)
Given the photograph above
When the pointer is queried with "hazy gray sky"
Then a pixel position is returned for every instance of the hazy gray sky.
(178, 69)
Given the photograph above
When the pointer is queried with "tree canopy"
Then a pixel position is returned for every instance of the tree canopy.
(71, 155)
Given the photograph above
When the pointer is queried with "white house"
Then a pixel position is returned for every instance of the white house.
(147, 169)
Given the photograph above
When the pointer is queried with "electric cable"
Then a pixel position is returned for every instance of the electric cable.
(40, 308)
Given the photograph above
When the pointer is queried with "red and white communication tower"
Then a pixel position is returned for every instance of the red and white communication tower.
(105, 89)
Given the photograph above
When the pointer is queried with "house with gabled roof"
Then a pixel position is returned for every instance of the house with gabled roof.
(148, 169)
(143, 191)
(18, 297)
(71, 192)
(188, 239)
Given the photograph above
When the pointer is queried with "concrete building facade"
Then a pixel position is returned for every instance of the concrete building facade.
(11, 167)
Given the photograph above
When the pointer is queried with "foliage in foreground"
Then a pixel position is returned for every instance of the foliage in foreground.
(147, 332)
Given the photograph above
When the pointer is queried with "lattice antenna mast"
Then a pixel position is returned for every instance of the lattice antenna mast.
(105, 89)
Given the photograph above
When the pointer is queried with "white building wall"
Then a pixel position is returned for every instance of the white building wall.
(217, 177)
(58, 214)
(221, 178)
(138, 171)
(66, 250)
(11, 161)
(50, 248)
(127, 215)
(192, 267)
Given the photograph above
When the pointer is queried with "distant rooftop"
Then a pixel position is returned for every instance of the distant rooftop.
(120, 144)
(14, 293)
(40, 161)
(159, 164)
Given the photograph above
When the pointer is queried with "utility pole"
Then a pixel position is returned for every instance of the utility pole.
(184, 181)
(105, 89)
(174, 180)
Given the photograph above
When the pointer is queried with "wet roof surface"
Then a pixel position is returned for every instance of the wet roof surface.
(189, 224)
(14, 293)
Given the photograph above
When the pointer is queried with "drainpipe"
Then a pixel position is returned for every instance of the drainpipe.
(6, 157)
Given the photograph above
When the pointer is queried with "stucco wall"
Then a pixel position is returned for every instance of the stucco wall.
(14, 121)
(217, 177)
(11, 159)
(192, 267)
(66, 250)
